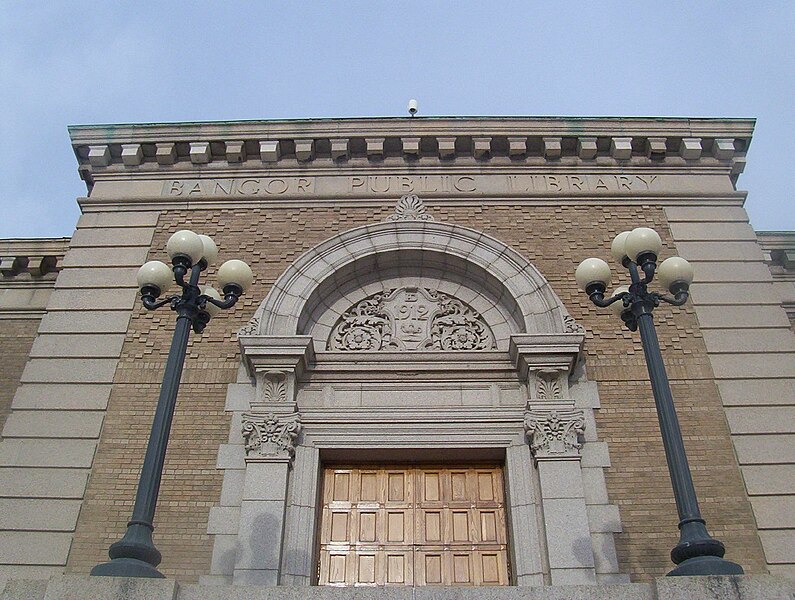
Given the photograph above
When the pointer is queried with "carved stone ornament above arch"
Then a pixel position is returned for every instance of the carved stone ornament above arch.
(484, 274)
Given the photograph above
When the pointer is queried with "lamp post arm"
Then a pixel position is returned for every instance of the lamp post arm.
(152, 303)
(677, 300)
(228, 302)
(599, 299)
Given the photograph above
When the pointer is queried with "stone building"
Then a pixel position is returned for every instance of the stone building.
(413, 391)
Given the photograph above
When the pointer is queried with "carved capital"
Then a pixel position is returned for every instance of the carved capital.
(555, 434)
(268, 436)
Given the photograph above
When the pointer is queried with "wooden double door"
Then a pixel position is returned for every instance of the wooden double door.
(413, 525)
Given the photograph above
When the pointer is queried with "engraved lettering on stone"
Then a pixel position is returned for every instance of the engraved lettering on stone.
(570, 325)
(270, 435)
(250, 328)
(410, 208)
(555, 433)
(411, 319)
(548, 385)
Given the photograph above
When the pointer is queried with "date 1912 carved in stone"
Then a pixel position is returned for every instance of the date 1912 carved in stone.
(410, 318)
(270, 435)
(555, 434)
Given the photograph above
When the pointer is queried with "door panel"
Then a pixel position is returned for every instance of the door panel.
(413, 526)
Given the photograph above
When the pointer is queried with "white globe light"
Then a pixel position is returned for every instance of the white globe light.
(185, 243)
(618, 247)
(210, 252)
(675, 270)
(642, 240)
(210, 308)
(592, 270)
(618, 306)
(236, 272)
(157, 274)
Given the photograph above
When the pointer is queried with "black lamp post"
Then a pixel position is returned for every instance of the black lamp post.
(135, 555)
(697, 553)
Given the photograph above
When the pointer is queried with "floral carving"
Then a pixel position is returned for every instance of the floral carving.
(555, 433)
(274, 388)
(572, 326)
(363, 327)
(270, 435)
(250, 328)
(410, 208)
(548, 385)
(411, 319)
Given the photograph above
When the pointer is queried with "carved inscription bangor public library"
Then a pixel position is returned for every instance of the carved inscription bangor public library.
(472, 185)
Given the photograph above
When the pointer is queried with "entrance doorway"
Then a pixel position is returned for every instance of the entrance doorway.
(413, 525)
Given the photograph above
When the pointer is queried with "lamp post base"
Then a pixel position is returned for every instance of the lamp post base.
(706, 565)
(126, 567)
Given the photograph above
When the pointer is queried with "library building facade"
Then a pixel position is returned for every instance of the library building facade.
(413, 392)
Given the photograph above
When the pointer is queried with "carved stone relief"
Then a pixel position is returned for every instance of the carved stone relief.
(267, 435)
(572, 326)
(410, 208)
(250, 328)
(548, 385)
(411, 318)
(555, 434)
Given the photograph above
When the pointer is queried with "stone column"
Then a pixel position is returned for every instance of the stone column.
(527, 564)
(270, 446)
(555, 444)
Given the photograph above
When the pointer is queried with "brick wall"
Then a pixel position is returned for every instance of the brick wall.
(553, 238)
(16, 339)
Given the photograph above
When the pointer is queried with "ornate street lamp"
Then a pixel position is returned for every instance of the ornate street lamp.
(697, 553)
(135, 555)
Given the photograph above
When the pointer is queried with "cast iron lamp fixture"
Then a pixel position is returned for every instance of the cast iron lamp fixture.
(135, 555)
(697, 553)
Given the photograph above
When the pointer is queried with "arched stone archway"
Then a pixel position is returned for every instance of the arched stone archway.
(307, 400)
(496, 267)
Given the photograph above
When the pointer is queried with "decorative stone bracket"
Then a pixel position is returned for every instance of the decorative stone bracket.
(276, 364)
(270, 436)
(545, 362)
(555, 434)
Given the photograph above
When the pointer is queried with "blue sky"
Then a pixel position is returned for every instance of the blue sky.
(66, 62)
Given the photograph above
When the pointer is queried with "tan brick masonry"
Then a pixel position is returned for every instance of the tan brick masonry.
(554, 239)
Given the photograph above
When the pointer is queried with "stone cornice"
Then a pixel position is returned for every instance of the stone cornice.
(311, 144)
(33, 257)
